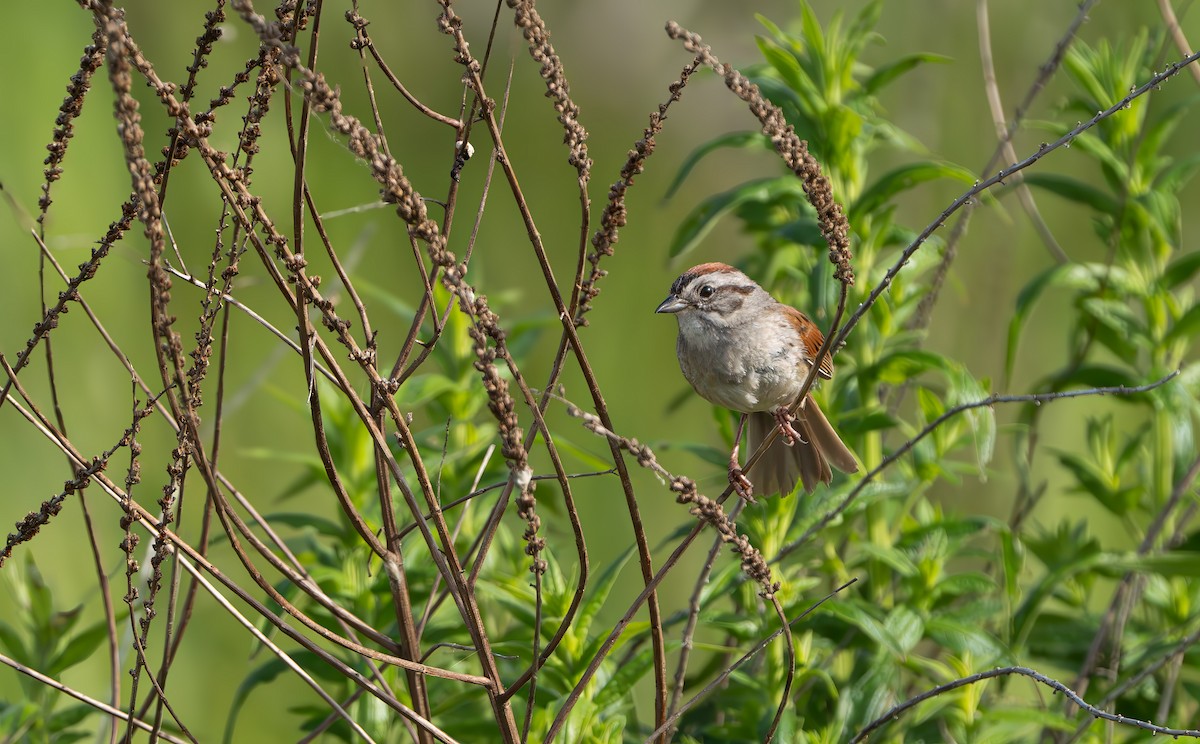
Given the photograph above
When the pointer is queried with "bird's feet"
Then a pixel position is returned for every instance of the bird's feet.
(784, 419)
(741, 484)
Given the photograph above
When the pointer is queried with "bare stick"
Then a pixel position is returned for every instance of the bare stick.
(1053, 684)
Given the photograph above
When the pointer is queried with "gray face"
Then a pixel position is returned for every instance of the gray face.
(709, 297)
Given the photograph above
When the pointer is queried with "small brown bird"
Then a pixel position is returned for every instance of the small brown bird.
(741, 348)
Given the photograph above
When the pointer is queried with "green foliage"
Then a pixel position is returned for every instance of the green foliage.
(944, 595)
(47, 641)
(944, 588)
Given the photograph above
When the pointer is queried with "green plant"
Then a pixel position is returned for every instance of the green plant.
(947, 595)
(414, 528)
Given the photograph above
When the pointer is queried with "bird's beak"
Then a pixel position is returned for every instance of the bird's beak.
(671, 305)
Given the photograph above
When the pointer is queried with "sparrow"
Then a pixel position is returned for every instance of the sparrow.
(742, 349)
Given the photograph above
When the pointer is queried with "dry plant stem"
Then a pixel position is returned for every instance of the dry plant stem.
(29, 527)
(321, 728)
(537, 37)
(1181, 43)
(149, 522)
(999, 178)
(230, 300)
(392, 560)
(1175, 654)
(612, 219)
(1055, 685)
(719, 680)
(1004, 134)
(110, 617)
(410, 206)
(228, 182)
(115, 713)
(87, 271)
(502, 484)
(706, 510)
(356, 519)
(137, 382)
(529, 22)
(794, 153)
(70, 109)
(172, 640)
(364, 42)
(303, 582)
(393, 564)
(924, 311)
(435, 597)
(614, 216)
(1129, 591)
(989, 401)
(478, 552)
(170, 346)
(789, 665)
(693, 617)
(578, 155)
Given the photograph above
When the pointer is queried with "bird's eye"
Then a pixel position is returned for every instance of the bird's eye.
(706, 291)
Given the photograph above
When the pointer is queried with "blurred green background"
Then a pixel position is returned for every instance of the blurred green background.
(619, 63)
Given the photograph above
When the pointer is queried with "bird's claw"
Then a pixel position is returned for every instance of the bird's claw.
(784, 419)
(741, 484)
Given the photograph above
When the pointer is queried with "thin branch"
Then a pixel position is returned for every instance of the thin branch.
(999, 178)
(1177, 37)
(115, 713)
(991, 400)
(1055, 685)
(719, 680)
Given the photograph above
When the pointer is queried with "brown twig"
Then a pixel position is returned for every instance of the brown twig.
(1055, 685)
(987, 402)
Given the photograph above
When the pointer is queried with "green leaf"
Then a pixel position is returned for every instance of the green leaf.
(743, 140)
(895, 559)
(10, 641)
(600, 588)
(1074, 276)
(81, 647)
(620, 685)
(702, 219)
(1096, 376)
(1117, 315)
(900, 180)
(889, 72)
(589, 458)
(964, 388)
(963, 638)
(1074, 190)
(970, 583)
(420, 389)
(855, 424)
(788, 68)
(1175, 176)
(66, 718)
(1181, 563)
(1093, 480)
(906, 627)
(1187, 327)
(902, 365)
(304, 520)
(1012, 558)
(268, 672)
(931, 405)
(1033, 718)
(853, 614)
